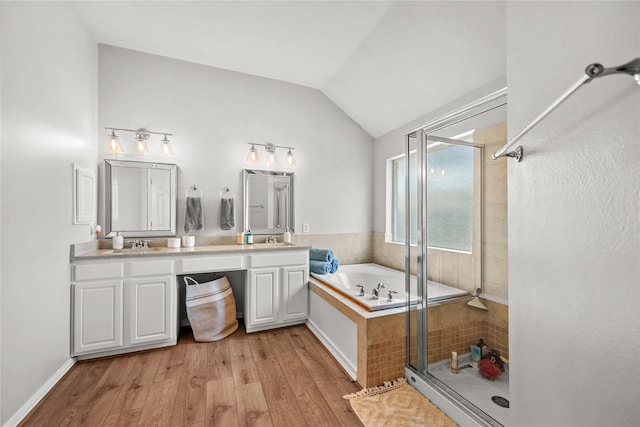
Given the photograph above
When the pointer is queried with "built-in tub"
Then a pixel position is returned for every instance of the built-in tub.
(367, 337)
(348, 277)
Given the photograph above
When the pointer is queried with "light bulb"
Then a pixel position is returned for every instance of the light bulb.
(253, 155)
(272, 159)
(141, 146)
(113, 144)
(167, 150)
(290, 160)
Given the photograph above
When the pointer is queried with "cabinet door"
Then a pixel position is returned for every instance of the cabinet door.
(149, 310)
(97, 316)
(295, 301)
(263, 296)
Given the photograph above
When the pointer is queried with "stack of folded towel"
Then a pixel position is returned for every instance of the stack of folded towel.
(322, 261)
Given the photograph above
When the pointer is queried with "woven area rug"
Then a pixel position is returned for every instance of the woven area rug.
(396, 404)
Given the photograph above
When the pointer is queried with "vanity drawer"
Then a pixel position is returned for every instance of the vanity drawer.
(204, 264)
(149, 268)
(278, 259)
(98, 271)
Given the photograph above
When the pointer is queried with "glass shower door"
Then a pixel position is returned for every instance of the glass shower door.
(445, 253)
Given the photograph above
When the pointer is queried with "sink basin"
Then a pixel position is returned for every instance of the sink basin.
(272, 245)
(129, 251)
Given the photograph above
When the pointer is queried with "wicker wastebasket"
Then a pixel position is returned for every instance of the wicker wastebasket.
(211, 309)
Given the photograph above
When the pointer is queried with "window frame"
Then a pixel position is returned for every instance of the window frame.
(389, 217)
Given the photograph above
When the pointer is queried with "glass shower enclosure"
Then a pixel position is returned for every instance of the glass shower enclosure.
(443, 195)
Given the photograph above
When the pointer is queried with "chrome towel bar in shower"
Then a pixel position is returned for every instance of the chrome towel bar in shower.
(592, 71)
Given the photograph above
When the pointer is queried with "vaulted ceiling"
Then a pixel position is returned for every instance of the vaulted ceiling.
(383, 63)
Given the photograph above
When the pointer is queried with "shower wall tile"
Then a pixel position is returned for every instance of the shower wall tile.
(494, 135)
(497, 290)
(495, 214)
(495, 263)
(455, 326)
(495, 180)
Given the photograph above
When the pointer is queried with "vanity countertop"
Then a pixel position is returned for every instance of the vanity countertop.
(196, 250)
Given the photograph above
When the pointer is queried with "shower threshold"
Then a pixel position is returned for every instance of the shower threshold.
(473, 387)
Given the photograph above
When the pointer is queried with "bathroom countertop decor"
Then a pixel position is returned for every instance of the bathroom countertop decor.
(196, 250)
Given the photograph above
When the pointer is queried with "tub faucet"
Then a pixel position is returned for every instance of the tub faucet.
(390, 297)
(376, 291)
(361, 294)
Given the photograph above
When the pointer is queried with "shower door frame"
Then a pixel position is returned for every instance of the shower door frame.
(458, 408)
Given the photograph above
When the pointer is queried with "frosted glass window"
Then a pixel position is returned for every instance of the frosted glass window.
(449, 197)
(398, 207)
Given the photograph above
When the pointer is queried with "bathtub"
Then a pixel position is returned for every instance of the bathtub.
(349, 325)
(346, 280)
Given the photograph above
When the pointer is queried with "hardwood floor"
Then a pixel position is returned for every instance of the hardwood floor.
(283, 377)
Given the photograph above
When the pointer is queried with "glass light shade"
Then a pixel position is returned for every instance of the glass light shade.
(141, 146)
(113, 144)
(272, 159)
(167, 149)
(253, 155)
(290, 161)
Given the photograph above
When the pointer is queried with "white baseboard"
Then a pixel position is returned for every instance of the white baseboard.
(39, 394)
(342, 360)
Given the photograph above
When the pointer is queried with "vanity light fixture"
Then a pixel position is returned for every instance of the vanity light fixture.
(272, 158)
(253, 155)
(141, 146)
(167, 149)
(113, 144)
(141, 142)
(290, 161)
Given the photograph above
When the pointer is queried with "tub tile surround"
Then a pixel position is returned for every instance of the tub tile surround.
(454, 326)
(381, 340)
(349, 248)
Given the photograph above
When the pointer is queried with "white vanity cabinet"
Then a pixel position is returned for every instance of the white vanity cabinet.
(97, 314)
(277, 290)
(123, 306)
(123, 303)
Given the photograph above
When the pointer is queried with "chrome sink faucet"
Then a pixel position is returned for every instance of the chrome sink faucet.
(139, 244)
(271, 239)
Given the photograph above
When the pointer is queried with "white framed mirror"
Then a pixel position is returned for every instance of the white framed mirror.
(268, 203)
(140, 198)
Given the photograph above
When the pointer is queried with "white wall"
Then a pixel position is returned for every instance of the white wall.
(213, 113)
(1, 245)
(574, 217)
(49, 106)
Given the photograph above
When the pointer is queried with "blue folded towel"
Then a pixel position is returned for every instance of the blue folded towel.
(320, 254)
(319, 267)
(334, 265)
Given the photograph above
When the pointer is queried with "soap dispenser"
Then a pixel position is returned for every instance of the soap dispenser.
(248, 237)
(118, 241)
(286, 237)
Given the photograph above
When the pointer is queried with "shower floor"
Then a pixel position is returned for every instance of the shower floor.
(474, 387)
